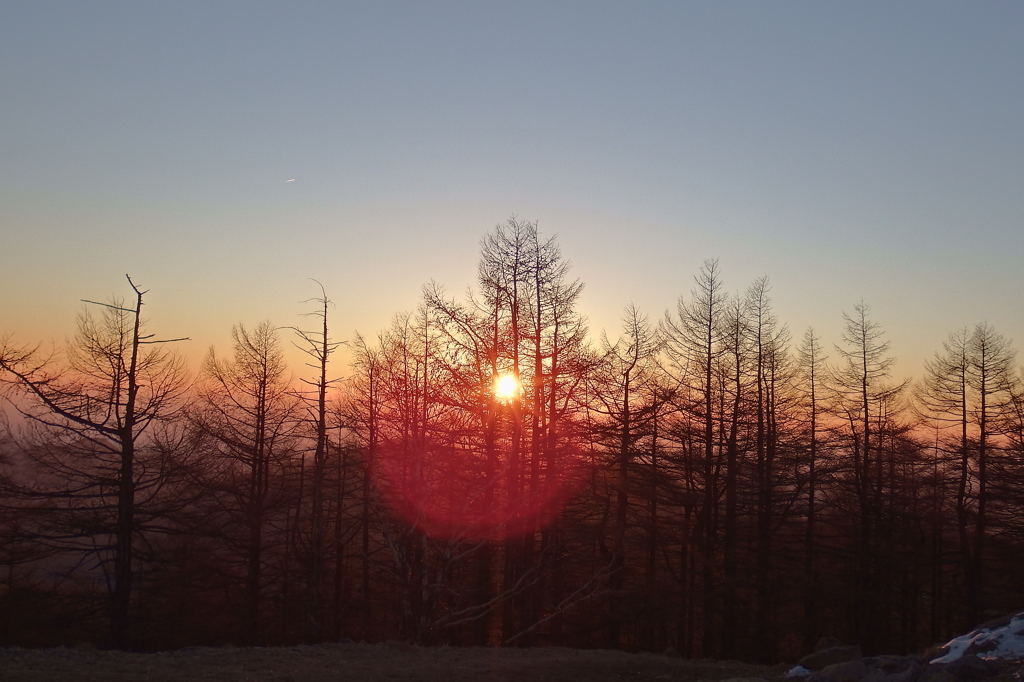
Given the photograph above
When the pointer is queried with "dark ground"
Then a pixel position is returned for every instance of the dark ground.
(349, 662)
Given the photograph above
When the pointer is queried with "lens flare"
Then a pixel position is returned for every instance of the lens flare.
(490, 489)
(461, 494)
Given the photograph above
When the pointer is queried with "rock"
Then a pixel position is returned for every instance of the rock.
(827, 642)
(970, 667)
(846, 671)
(892, 669)
(890, 663)
(819, 660)
(936, 674)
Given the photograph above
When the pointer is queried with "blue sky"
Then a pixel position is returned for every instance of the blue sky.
(867, 150)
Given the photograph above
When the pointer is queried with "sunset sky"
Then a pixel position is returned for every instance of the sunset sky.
(867, 150)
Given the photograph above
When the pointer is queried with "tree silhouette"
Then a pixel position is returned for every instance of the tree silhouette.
(865, 399)
(319, 347)
(968, 388)
(695, 341)
(626, 400)
(93, 435)
(812, 370)
(250, 418)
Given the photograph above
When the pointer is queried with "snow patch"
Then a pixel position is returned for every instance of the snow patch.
(988, 644)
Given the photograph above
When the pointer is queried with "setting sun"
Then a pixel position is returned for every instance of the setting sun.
(506, 387)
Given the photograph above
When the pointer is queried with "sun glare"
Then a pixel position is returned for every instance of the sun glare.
(506, 387)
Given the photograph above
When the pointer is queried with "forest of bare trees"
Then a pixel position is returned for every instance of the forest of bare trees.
(710, 482)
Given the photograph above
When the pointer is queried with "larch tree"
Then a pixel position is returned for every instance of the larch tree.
(319, 347)
(250, 417)
(738, 377)
(507, 255)
(362, 409)
(626, 400)
(812, 369)
(967, 390)
(93, 425)
(773, 373)
(406, 418)
(865, 397)
(522, 323)
(695, 342)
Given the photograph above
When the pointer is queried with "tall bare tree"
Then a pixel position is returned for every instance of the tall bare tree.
(627, 400)
(695, 342)
(96, 418)
(523, 324)
(812, 370)
(968, 389)
(865, 396)
(319, 347)
(363, 407)
(769, 343)
(247, 410)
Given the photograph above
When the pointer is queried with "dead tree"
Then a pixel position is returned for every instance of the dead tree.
(102, 406)
(318, 346)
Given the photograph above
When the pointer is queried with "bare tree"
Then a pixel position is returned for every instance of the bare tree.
(403, 413)
(812, 369)
(523, 324)
(968, 389)
(865, 399)
(251, 418)
(769, 342)
(626, 400)
(318, 346)
(695, 341)
(362, 407)
(96, 419)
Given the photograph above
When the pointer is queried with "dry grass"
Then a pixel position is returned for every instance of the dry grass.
(350, 662)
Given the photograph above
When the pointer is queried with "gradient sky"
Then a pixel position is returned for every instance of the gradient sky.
(867, 150)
